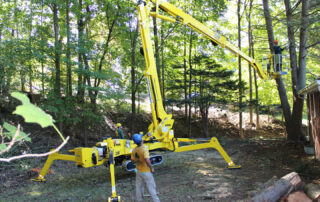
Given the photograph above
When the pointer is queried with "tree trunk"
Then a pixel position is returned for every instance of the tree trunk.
(203, 108)
(57, 86)
(68, 54)
(250, 54)
(204, 120)
(42, 60)
(80, 50)
(255, 87)
(299, 99)
(298, 75)
(190, 81)
(162, 61)
(87, 79)
(139, 101)
(185, 74)
(156, 44)
(2, 73)
(22, 80)
(87, 75)
(303, 44)
(57, 52)
(134, 88)
(42, 77)
(30, 51)
(2, 79)
(239, 65)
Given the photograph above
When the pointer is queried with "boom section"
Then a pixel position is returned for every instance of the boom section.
(161, 125)
(185, 19)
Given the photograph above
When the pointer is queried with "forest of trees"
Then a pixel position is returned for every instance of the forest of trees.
(79, 58)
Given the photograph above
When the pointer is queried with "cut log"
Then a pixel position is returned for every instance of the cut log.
(312, 190)
(281, 188)
(297, 196)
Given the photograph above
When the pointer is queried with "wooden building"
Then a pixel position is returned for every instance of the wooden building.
(313, 108)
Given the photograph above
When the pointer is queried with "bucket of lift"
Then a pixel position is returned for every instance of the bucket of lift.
(275, 65)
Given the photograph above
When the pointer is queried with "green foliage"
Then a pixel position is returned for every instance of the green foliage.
(3, 147)
(11, 132)
(8, 132)
(101, 54)
(213, 81)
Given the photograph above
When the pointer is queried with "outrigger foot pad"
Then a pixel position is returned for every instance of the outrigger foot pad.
(38, 179)
(115, 199)
(234, 166)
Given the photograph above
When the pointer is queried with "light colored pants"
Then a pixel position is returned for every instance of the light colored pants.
(145, 179)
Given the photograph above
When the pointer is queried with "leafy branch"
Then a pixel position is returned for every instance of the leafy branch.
(31, 114)
(35, 155)
(13, 140)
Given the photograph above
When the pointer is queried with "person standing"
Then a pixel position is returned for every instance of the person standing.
(277, 57)
(119, 131)
(144, 177)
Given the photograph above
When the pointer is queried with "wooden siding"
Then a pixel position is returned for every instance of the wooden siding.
(313, 105)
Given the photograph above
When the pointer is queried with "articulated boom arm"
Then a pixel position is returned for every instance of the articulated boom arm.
(162, 122)
(185, 19)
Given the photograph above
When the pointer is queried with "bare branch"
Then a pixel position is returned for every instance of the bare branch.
(295, 6)
(34, 155)
(314, 44)
(170, 31)
(13, 140)
(138, 83)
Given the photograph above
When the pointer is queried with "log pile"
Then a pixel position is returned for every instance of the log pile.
(289, 188)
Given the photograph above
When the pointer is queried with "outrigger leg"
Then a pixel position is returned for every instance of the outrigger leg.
(114, 197)
(212, 143)
(51, 158)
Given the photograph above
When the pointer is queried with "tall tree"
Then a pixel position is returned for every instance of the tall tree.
(239, 15)
(112, 13)
(68, 53)
(80, 23)
(250, 55)
(255, 85)
(293, 119)
(57, 57)
(214, 86)
(134, 85)
(57, 50)
(190, 81)
(185, 72)
(30, 49)
(156, 44)
(162, 46)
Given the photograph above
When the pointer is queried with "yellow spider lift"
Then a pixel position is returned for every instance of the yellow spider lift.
(160, 136)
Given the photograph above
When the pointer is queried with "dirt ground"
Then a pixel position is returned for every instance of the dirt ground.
(190, 176)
